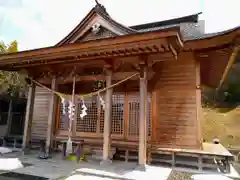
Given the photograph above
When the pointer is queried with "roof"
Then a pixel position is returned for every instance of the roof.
(175, 35)
(101, 11)
(190, 26)
(132, 44)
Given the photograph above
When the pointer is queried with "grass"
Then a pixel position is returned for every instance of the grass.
(222, 123)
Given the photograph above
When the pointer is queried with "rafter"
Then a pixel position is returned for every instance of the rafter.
(98, 77)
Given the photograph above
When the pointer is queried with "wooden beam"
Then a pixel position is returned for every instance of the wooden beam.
(116, 76)
(156, 76)
(229, 65)
(66, 63)
(28, 117)
(96, 48)
(174, 51)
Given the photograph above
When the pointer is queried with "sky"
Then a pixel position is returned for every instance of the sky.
(41, 23)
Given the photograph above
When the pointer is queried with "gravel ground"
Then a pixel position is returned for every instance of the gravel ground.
(177, 175)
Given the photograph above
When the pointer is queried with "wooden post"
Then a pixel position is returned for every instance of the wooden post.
(146, 113)
(199, 112)
(73, 119)
(28, 117)
(107, 118)
(9, 120)
(51, 117)
(143, 116)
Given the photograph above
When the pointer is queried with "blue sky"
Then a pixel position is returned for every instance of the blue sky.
(40, 23)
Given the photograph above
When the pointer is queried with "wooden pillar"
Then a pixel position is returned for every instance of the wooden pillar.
(143, 116)
(51, 116)
(9, 120)
(28, 116)
(107, 118)
(199, 113)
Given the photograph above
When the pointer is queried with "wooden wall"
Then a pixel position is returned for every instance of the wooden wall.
(175, 105)
(40, 114)
(175, 122)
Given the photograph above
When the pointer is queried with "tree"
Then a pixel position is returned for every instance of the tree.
(11, 83)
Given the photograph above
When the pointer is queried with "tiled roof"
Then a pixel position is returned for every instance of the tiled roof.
(208, 35)
(188, 31)
(190, 27)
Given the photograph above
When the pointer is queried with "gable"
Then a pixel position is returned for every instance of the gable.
(100, 34)
(97, 16)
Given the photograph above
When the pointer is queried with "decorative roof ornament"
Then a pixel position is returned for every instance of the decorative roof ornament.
(97, 3)
(100, 8)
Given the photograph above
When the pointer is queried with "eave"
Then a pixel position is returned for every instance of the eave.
(127, 45)
(218, 40)
(184, 19)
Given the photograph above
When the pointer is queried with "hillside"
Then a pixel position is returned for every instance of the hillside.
(222, 123)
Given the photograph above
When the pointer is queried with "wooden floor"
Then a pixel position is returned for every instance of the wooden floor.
(208, 149)
(213, 157)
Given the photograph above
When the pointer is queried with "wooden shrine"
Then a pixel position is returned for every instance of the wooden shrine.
(158, 107)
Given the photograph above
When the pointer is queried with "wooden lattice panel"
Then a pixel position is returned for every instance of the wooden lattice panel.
(89, 122)
(149, 118)
(133, 117)
(117, 113)
(101, 119)
(64, 120)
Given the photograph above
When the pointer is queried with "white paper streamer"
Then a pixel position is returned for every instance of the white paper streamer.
(84, 109)
(63, 105)
(70, 110)
(102, 102)
(69, 146)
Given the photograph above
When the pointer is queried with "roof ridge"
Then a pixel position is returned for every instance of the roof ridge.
(188, 18)
(101, 10)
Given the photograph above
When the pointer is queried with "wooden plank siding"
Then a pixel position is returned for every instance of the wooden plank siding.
(174, 113)
(176, 104)
(40, 114)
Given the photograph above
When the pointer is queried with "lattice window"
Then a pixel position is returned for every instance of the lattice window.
(64, 119)
(101, 120)
(89, 122)
(149, 119)
(117, 113)
(133, 117)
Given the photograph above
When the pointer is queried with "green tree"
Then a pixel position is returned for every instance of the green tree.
(11, 83)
